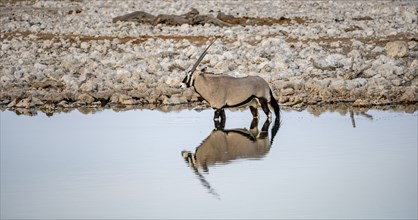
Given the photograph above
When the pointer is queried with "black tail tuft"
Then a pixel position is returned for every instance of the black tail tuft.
(275, 105)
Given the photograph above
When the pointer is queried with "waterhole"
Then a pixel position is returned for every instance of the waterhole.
(153, 164)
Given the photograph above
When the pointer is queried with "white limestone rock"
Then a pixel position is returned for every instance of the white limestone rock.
(397, 49)
(88, 86)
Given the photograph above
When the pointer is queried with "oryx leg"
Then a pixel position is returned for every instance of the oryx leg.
(254, 112)
(254, 124)
(254, 127)
(265, 107)
(219, 125)
(223, 117)
(264, 130)
(219, 113)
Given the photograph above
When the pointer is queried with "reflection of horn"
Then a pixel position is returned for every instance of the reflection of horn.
(206, 184)
(191, 161)
(201, 57)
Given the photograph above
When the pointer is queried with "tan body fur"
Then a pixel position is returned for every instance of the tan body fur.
(224, 146)
(223, 91)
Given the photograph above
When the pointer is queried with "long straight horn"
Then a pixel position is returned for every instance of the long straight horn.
(201, 57)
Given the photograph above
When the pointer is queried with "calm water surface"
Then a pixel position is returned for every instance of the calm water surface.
(150, 164)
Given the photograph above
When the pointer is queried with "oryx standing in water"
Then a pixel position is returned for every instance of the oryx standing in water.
(223, 91)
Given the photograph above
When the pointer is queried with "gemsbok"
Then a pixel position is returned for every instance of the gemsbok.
(224, 91)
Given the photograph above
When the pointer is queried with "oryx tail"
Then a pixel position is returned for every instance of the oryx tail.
(275, 105)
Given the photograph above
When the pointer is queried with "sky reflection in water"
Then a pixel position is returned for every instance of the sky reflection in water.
(139, 164)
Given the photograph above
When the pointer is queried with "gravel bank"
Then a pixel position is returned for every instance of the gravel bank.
(66, 54)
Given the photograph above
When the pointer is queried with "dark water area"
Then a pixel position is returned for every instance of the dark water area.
(153, 164)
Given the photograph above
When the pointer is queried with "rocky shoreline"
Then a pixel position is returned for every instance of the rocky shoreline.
(72, 54)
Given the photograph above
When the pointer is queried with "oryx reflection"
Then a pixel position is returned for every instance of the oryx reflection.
(225, 145)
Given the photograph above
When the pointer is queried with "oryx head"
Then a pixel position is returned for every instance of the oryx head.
(188, 80)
